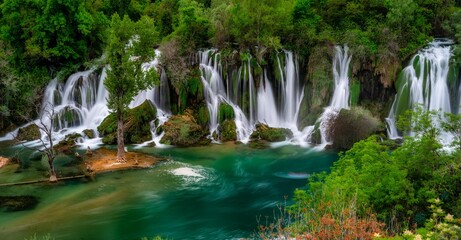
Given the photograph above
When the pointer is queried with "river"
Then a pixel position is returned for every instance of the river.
(212, 192)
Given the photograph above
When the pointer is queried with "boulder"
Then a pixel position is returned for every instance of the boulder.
(270, 134)
(136, 123)
(351, 126)
(29, 133)
(183, 130)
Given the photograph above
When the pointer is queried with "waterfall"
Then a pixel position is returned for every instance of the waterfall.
(159, 95)
(81, 103)
(340, 98)
(215, 94)
(78, 104)
(425, 83)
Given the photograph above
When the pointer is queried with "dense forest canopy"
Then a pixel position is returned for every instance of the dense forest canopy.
(42, 39)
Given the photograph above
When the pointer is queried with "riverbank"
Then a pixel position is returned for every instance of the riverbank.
(105, 160)
(4, 161)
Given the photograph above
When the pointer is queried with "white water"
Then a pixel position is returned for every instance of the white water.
(215, 94)
(340, 98)
(425, 84)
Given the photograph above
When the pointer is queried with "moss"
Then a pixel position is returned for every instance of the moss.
(203, 115)
(183, 130)
(29, 133)
(228, 130)
(136, 124)
(226, 112)
(264, 132)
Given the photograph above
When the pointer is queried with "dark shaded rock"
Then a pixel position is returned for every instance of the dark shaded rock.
(264, 132)
(136, 124)
(183, 130)
(351, 126)
(17, 203)
(228, 130)
(29, 133)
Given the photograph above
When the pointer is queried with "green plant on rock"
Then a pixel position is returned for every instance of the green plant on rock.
(226, 112)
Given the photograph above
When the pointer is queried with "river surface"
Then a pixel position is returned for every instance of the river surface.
(212, 192)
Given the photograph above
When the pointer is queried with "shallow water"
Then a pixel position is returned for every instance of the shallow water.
(213, 192)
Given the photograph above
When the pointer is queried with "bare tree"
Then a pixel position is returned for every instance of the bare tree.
(46, 123)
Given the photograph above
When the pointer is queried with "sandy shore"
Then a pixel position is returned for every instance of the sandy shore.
(104, 160)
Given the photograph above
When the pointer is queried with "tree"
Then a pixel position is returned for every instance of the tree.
(130, 44)
(46, 147)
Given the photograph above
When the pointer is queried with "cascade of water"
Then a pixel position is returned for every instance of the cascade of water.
(425, 84)
(159, 95)
(267, 109)
(341, 93)
(215, 94)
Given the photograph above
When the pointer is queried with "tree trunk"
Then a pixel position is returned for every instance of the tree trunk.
(53, 177)
(120, 138)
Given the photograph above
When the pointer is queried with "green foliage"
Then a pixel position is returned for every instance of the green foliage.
(395, 185)
(130, 44)
(193, 26)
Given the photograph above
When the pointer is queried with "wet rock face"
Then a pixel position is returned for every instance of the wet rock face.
(183, 130)
(29, 133)
(17, 203)
(136, 124)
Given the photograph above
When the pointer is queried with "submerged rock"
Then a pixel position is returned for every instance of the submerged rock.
(270, 134)
(17, 203)
(183, 130)
(29, 133)
(136, 124)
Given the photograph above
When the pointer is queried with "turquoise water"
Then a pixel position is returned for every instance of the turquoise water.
(213, 192)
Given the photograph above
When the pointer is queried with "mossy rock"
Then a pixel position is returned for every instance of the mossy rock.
(136, 124)
(226, 112)
(351, 126)
(264, 132)
(66, 145)
(17, 203)
(89, 133)
(29, 133)
(228, 131)
(183, 130)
